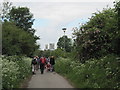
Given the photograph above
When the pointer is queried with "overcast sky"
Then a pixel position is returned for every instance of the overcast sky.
(52, 15)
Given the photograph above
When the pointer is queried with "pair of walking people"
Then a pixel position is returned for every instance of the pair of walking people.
(43, 62)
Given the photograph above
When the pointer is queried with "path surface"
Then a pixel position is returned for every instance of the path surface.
(48, 80)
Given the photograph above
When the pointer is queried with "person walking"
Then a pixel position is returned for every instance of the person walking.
(33, 65)
(48, 66)
(42, 64)
(37, 66)
(52, 62)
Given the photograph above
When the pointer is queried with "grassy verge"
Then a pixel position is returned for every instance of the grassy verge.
(95, 73)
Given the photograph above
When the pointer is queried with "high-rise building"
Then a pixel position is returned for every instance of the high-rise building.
(51, 46)
(46, 47)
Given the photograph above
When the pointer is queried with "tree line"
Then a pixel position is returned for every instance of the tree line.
(18, 36)
(96, 38)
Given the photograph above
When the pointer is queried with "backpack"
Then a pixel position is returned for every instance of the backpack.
(34, 61)
(43, 60)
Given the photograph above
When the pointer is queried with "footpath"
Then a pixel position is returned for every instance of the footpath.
(48, 80)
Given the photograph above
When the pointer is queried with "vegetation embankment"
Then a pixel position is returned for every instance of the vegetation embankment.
(18, 41)
(95, 56)
(15, 70)
(95, 73)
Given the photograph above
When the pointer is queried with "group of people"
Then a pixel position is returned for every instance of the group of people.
(42, 63)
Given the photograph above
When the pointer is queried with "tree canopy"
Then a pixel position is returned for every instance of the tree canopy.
(22, 18)
(99, 36)
(18, 34)
(17, 41)
(65, 43)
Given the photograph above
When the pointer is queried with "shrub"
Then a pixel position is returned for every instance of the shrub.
(14, 70)
(95, 73)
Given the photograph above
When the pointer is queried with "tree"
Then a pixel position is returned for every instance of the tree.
(57, 53)
(5, 10)
(22, 18)
(117, 10)
(18, 36)
(99, 36)
(68, 43)
(16, 41)
(116, 41)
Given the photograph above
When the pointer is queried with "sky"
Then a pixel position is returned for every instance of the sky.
(53, 15)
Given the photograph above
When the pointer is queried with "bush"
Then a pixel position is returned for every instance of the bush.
(14, 70)
(99, 36)
(95, 73)
(61, 66)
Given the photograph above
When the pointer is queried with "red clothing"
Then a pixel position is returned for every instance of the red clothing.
(48, 65)
(43, 60)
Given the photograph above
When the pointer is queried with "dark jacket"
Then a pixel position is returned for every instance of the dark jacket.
(52, 61)
(34, 62)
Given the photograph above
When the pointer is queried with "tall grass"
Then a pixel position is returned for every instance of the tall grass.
(95, 73)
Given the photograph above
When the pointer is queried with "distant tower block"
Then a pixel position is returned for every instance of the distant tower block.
(46, 47)
(51, 46)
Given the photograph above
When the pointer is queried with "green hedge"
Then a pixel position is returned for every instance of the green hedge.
(101, 73)
(14, 70)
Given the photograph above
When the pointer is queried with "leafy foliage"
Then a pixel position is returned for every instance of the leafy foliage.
(5, 10)
(117, 10)
(18, 34)
(22, 18)
(64, 43)
(99, 36)
(56, 53)
(14, 70)
(17, 41)
(95, 73)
